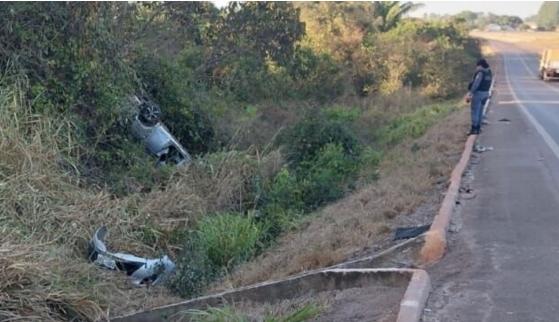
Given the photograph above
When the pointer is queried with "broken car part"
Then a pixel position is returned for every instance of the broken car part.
(157, 138)
(410, 232)
(142, 271)
(480, 148)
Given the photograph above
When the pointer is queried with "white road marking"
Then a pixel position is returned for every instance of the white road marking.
(541, 130)
(529, 102)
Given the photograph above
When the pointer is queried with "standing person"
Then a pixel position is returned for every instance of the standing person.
(478, 93)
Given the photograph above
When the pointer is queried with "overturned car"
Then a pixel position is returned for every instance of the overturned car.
(157, 138)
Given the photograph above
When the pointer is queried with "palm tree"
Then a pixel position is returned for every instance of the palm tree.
(389, 13)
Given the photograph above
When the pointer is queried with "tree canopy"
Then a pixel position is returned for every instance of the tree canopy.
(548, 15)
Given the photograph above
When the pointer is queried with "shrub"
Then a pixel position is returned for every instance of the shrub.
(316, 76)
(194, 269)
(304, 140)
(285, 191)
(370, 160)
(219, 242)
(325, 178)
(342, 113)
(276, 219)
(228, 238)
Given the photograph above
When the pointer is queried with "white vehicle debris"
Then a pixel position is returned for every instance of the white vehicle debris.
(142, 271)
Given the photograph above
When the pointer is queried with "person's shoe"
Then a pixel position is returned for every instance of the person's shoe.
(474, 131)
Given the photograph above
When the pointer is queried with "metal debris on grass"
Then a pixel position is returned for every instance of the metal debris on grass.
(142, 271)
(410, 232)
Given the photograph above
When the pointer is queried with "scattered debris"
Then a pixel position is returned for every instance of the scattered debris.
(143, 271)
(410, 232)
(465, 190)
(480, 148)
(467, 194)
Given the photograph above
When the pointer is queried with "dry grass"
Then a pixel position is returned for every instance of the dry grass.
(531, 41)
(366, 216)
(47, 218)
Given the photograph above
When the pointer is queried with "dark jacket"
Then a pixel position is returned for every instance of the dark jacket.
(481, 81)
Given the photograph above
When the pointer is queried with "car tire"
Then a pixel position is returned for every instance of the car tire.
(150, 114)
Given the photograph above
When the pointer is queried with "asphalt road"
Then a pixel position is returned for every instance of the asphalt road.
(503, 263)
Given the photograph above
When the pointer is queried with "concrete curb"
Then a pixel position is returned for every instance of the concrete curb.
(435, 239)
(411, 306)
(415, 298)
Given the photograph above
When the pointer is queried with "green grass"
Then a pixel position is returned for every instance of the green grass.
(414, 124)
(230, 314)
(228, 238)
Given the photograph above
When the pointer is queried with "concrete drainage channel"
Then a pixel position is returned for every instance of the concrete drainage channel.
(352, 274)
(411, 306)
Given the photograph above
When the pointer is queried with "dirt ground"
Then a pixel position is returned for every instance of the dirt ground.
(376, 303)
(532, 41)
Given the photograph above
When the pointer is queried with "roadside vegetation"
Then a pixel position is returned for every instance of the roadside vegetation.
(232, 314)
(285, 107)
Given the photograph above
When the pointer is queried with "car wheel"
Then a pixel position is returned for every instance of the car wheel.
(150, 113)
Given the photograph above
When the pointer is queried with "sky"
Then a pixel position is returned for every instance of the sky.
(522, 9)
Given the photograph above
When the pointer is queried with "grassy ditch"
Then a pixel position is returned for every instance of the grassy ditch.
(224, 210)
(324, 160)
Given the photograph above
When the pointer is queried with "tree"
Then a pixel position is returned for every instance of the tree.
(389, 13)
(512, 21)
(268, 29)
(548, 15)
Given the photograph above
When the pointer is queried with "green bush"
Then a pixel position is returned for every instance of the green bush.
(194, 270)
(276, 219)
(342, 113)
(313, 183)
(304, 140)
(228, 238)
(316, 76)
(285, 191)
(325, 178)
(370, 160)
(219, 242)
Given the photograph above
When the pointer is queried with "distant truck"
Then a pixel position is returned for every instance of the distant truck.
(549, 64)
